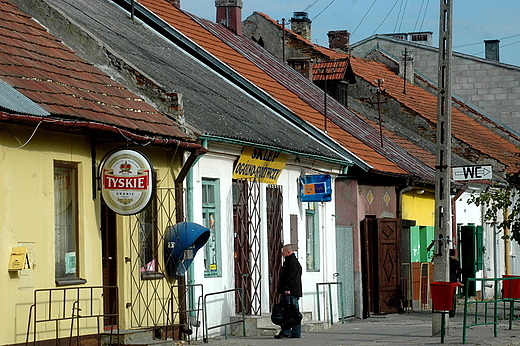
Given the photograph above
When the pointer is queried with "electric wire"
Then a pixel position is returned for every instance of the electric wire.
(362, 19)
(306, 8)
(330, 3)
(386, 17)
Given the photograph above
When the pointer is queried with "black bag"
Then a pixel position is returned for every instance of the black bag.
(285, 315)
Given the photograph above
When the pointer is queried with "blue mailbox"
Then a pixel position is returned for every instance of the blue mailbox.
(315, 188)
(181, 243)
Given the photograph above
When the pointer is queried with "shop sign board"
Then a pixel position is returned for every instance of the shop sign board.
(127, 182)
(262, 165)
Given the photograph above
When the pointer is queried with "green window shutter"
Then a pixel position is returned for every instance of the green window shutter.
(479, 248)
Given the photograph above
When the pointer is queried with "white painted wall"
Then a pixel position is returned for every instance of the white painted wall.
(218, 164)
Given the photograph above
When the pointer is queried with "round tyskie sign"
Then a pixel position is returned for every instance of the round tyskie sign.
(127, 182)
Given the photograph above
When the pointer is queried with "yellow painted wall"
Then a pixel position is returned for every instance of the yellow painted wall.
(419, 207)
(27, 217)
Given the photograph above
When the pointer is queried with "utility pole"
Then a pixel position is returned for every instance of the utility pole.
(443, 162)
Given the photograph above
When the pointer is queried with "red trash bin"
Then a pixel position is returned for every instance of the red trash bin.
(511, 288)
(443, 294)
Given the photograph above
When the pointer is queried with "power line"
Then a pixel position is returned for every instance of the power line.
(478, 43)
(362, 19)
(306, 8)
(330, 3)
(388, 14)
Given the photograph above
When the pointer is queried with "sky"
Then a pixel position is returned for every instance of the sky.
(473, 20)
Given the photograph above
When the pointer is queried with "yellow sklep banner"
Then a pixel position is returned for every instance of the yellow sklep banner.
(261, 165)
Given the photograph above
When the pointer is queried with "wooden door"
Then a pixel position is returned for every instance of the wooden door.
(381, 265)
(109, 248)
(389, 269)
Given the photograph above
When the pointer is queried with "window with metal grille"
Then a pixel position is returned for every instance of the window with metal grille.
(312, 235)
(211, 220)
(147, 221)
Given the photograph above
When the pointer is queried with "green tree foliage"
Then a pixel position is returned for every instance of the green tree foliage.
(502, 200)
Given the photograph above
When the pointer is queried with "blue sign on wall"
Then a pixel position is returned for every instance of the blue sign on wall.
(315, 188)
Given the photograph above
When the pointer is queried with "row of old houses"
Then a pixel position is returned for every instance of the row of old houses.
(240, 139)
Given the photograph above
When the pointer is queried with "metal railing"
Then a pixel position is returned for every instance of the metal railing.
(172, 313)
(69, 305)
(341, 299)
(486, 310)
(205, 309)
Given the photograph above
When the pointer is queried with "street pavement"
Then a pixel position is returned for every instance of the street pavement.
(409, 328)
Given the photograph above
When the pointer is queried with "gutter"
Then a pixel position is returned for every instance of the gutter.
(345, 163)
(95, 126)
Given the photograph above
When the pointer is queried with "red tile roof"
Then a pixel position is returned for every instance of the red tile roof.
(424, 104)
(42, 68)
(329, 70)
(207, 40)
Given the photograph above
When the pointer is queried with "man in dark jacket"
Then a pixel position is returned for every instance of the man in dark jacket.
(290, 287)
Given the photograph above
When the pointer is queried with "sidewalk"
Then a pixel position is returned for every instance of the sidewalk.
(410, 328)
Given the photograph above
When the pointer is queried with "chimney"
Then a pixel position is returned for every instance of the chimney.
(492, 49)
(229, 13)
(301, 25)
(406, 66)
(339, 39)
(176, 3)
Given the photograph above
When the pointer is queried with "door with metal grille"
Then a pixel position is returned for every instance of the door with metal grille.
(274, 238)
(155, 300)
(246, 222)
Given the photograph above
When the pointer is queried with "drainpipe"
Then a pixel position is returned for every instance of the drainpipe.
(400, 193)
(179, 199)
(190, 182)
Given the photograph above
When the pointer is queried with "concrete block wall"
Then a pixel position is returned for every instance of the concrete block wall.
(492, 86)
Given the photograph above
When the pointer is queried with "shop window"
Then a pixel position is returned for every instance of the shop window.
(66, 223)
(210, 216)
(312, 236)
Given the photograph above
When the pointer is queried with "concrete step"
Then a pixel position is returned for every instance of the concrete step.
(262, 326)
(135, 337)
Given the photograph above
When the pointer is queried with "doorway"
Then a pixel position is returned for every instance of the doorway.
(109, 249)
(381, 262)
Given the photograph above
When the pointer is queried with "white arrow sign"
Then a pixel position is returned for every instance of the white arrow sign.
(472, 173)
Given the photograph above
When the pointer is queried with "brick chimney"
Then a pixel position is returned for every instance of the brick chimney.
(301, 25)
(229, 13)
(492, 49)
(176, 3)
(339, 40)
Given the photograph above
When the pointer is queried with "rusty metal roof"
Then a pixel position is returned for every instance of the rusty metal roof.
(51, 75)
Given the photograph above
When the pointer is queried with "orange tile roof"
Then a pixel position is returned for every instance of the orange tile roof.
(193, 30)
(42, 68)
(329, 70)
(424, 104)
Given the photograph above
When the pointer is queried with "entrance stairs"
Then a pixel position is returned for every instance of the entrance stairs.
(262, 326)
(136, 337)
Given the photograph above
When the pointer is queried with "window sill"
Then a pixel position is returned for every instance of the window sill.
(70, 281)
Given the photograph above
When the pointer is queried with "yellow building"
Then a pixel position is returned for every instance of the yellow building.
(62, 246)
